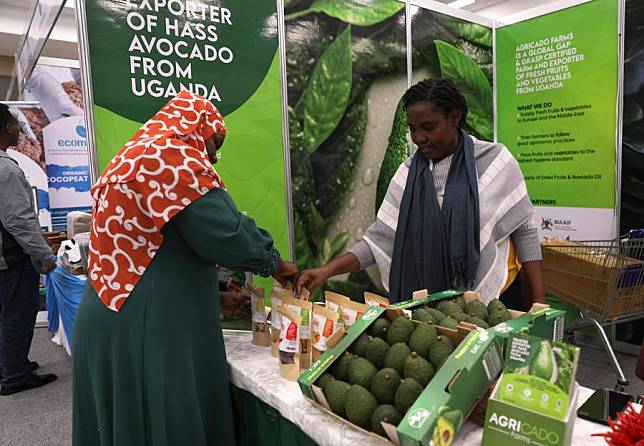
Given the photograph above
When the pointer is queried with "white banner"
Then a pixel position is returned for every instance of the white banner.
(575, 223)
(67, 168)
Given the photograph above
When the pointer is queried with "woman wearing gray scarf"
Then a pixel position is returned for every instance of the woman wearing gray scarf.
(453, 214)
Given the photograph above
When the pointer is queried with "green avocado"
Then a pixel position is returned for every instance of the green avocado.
(418, 368)
(400, 330)
(359, 346)
(384, 385)
(448, 322)
(408, 391)
(421, 338)
(437, 315)
(498, 316)
(396, 356)
(340, 368)
(478, 322)
(324, 380)
(379, 328)
(476, 308)
(360, 406)
(460, 317)
(422, 315)
(450, 308)
(336, 395)
(384, 413)
(495, 305)
(439, 351)
(361, 372)
(376, 351)
(460, 301)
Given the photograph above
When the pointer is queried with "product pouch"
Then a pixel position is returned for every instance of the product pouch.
(289, 344)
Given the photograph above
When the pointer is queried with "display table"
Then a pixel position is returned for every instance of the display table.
(255, 371)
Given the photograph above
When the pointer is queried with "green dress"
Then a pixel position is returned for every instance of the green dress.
(155, 373)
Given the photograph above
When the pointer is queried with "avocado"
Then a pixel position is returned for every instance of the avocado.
(361, 372)
(437, 316)
(422, 315)
(476, 308)
(498, 316)
(376, 351)
(460, 301)
(396, 356)
(340, 368)
(384, 385)
(336, 394)
(386, 413)
(494, 305)
(379, 328)
(418, 368)
(359, 406)
(421, 338)
(408, 391)
(439, 351)
(448, 322)
(440, 306)
(449, 307)
(359, 346)
(400, 330)
(460, 317)
(478, 322)
(324, 379)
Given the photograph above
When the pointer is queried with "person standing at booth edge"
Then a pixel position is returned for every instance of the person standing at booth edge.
(24, 254)
(149, 365)
(454, 214)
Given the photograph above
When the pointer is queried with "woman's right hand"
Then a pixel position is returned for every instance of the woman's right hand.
(312, 278)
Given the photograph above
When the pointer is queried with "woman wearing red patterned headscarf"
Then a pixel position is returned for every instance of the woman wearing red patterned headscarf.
(149, 364)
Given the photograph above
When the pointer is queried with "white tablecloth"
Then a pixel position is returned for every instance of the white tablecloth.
(256, 371)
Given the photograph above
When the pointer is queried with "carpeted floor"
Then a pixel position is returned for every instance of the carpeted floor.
(42, 417)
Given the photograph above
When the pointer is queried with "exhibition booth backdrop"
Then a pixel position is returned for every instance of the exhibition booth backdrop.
(311, 95)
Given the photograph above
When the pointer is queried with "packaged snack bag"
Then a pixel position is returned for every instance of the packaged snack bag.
(304, 309)
(373, 300)
(351, 312)
(261, 335)
(325, 323)
(289, 344)
(335, 301)
(276, 320)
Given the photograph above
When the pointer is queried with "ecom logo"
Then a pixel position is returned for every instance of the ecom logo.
(81, 131)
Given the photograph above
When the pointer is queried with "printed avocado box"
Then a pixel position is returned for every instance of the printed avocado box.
(371, 378)
(509, 425)
(539, 375)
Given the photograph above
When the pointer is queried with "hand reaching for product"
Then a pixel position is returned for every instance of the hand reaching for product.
(286, 272)
(312, 279)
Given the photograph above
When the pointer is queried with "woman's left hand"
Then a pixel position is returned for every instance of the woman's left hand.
(286, 272)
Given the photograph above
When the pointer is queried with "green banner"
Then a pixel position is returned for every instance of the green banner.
(143, 53)
(556, 105)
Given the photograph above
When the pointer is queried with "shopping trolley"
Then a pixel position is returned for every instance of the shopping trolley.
(604, 279)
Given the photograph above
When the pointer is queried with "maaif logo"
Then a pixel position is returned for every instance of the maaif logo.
(81, 131)
(547, 224)
(417, 418)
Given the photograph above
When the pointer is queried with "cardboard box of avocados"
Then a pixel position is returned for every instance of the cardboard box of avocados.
(443, 404)
(541, 320)
(534, 400)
